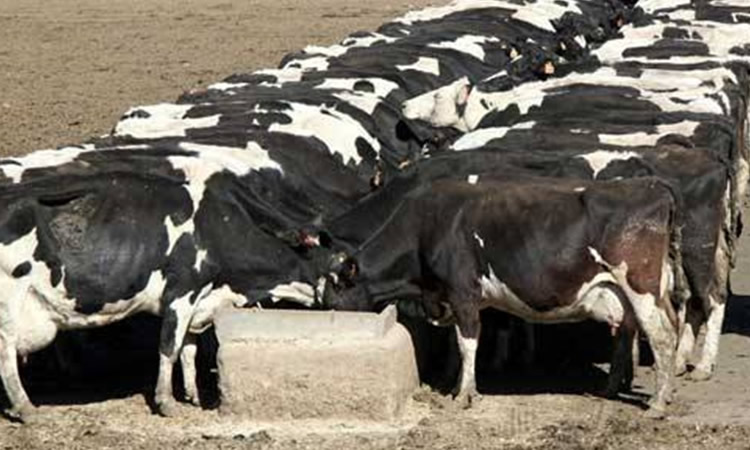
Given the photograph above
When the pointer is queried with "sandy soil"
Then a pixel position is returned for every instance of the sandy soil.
(69, 68)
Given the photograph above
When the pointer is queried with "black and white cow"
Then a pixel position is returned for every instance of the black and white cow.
(545, 250)
(91, 236)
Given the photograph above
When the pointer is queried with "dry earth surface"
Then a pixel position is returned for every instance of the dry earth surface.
(69, 68)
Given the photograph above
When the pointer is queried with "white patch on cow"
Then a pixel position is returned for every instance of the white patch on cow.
(682, 14)
(295, 291)
(540, 13)
(600, 159)
(439, 107)
(468, 348)
(730, 3)
(500, 74)
(594, 300)
(651, 6)
(215, 299)
(468, 44)
(165, 120)
(349, 43)
(222, 86)
(41, 158)
(363, 102)
(338, 131)
(175, 231)
(524, 125)
(482, 136)
(479, 138)
(472, 179)
(200, 256)
(685, 128)
(212, 159)
(579, 189)
(479, 239)
(423, 64)
(382, 87)
(439, 12)
(287, 75)
(580, 40)
(237, 160)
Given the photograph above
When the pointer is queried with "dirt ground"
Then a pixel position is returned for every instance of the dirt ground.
(69, 68)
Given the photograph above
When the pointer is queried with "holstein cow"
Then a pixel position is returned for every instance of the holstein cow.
(91, 236)
(545, 250)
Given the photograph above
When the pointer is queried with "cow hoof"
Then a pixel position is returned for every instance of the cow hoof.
(656, 410)
(700, 374)
(27, 414)
(609, 393)
(656, 413)
(167, 408)
(193, 400)
(467, 400)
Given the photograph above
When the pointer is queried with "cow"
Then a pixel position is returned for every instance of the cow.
(89, 236)
(545, 250)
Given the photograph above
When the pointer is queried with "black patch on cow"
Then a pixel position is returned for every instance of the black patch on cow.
(294, 66)
(667, 48)
(140, 114)
(364, 86)
(675, 139)
(697, 36)
(500, 118)
(740, 51)
(365, 150)
(561, 3)
(675, 33)
(59, 200)
(679, 100)
(274, 105)
(22, 270)
(250, 78)
(9, 162)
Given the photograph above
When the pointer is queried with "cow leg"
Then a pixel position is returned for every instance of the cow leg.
(690, 319)
(21, 407)
(621, 367)
(173, 330)
(705, 366)
(20, 338)
(529, 347)
(189, 374)
(467, 335)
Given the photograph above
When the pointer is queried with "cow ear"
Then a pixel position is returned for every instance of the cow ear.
(325, 239)
(463, 94)
(350, 269)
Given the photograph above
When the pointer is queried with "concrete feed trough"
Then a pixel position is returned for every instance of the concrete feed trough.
(281, 364)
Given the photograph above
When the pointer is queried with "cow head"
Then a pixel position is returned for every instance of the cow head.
(342, 290)
(442, 107)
